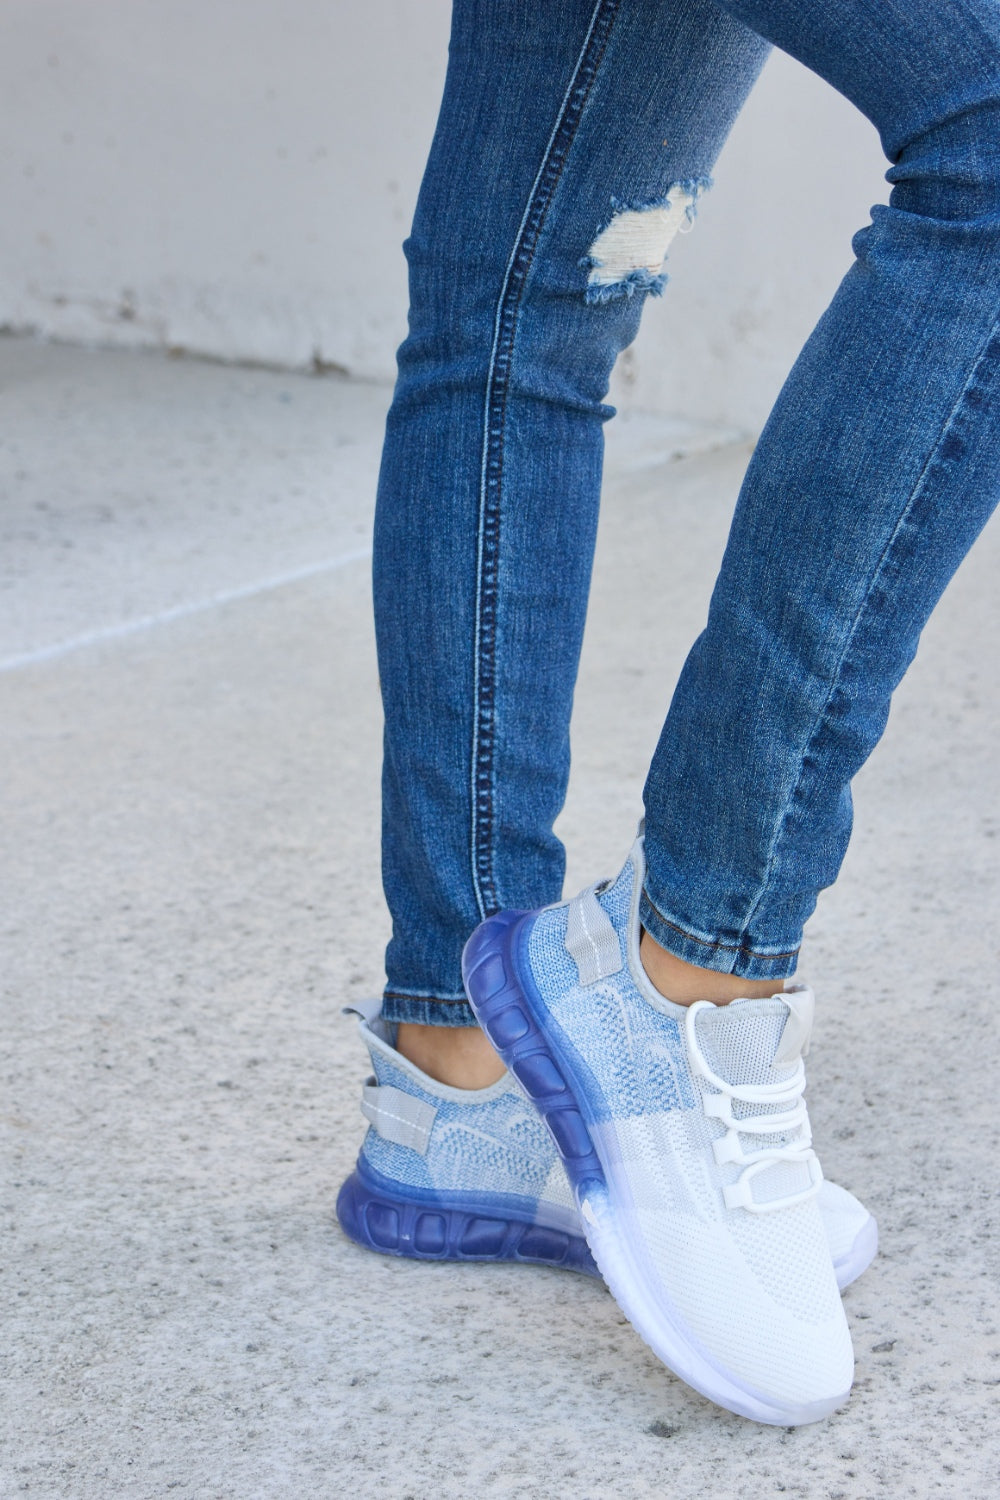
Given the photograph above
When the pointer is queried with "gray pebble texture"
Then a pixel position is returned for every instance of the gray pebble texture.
(190, 894)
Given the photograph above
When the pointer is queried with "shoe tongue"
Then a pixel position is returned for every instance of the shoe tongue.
(742, 1042)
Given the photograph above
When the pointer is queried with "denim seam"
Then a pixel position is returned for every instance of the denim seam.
(494, 424)
(880, 567)
(715, 946)
(395, 994)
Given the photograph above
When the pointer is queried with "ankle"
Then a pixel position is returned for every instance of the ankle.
(460, 1056)
(684, 983)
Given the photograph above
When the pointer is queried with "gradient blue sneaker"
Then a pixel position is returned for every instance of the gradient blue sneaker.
(456, 1174)
(685, 1136)
(473, 1174)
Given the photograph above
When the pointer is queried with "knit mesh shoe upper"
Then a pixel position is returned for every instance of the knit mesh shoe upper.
(456, 1174)
(485, 1142)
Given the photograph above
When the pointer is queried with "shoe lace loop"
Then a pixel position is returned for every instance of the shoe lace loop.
(781, 1110)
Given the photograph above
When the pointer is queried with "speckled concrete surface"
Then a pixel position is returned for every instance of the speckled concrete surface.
(190, 893)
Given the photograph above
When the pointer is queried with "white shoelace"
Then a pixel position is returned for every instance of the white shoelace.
(787, 1114)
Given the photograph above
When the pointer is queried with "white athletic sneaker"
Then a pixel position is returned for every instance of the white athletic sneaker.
(685, 1136)
(473, 1175)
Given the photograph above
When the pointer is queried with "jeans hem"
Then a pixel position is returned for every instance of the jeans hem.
(421, 1010)
(727, 956)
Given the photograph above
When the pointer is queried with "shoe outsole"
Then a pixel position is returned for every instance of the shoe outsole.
(509, 1009)
(860, 1256)
(385, 1218)
(455, 1228)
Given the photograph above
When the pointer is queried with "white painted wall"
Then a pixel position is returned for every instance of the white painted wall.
(235, 177)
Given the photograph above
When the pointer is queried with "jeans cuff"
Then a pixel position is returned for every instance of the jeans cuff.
(726, 955)
(420, 1010)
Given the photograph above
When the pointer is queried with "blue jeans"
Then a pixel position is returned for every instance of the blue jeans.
(574, 138)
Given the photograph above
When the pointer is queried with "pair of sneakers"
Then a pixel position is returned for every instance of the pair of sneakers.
(665, 1148)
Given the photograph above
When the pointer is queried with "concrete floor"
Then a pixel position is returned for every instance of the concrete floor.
(190, 743)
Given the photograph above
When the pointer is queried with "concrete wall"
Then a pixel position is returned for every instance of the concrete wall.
(234, 178)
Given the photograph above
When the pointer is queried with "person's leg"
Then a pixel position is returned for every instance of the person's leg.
(876, 471)
(571, 141)
(682, 1126)
(573, 137)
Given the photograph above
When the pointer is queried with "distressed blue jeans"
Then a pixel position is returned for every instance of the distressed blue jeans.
(573, 140)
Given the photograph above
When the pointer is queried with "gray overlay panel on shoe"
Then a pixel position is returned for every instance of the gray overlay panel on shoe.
(798, 1028)
(397, 1116)
(591, 940)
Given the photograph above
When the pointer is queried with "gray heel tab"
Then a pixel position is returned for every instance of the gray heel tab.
(798, 1027)
(397, 1116)
(369, 1009)
(591, 940)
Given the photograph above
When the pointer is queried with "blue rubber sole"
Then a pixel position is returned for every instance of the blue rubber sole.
(382, 1216)
(490, 971)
